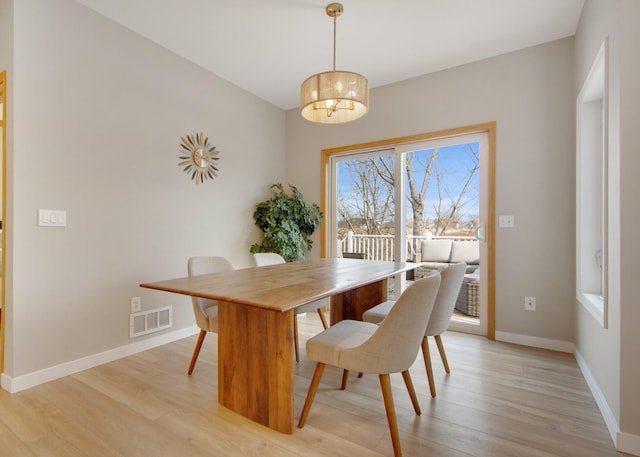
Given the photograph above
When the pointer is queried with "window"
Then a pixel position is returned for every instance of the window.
(591, 190)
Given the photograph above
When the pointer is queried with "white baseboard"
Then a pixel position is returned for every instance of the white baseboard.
(628, 443)
(624, 442)
(536, 342)
(18, 383)
(607, 414)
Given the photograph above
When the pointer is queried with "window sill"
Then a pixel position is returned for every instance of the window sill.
(595, 305)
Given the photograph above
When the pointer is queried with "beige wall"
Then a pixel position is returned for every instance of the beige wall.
(610, 355)
(99, 112)
(600, 347)
(630, 216)
(529, 94)
(6, 35)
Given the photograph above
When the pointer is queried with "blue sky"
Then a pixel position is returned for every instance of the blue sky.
(454, 163)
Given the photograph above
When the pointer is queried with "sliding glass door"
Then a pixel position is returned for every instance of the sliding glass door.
(403, 201)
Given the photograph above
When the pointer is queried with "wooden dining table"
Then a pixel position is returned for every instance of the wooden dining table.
(255, 323)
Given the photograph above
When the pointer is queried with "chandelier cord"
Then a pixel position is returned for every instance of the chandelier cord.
(335, 19)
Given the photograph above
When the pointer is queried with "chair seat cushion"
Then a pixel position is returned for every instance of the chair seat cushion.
(326, 346)
(377, 314)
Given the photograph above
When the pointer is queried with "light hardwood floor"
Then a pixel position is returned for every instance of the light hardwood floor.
(499, 400)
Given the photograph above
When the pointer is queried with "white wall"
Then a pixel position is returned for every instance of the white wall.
(529, 94)
(99, 112)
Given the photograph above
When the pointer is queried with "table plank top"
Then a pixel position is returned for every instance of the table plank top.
(284, 286)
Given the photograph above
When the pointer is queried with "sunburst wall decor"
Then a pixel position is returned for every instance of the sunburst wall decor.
(198, 157)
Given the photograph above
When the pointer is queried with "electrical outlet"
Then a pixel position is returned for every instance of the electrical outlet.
(530, 303)
(136, 304)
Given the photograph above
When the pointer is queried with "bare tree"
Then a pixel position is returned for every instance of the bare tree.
(373, 206)
(451, 202)
(383, 166)
(417, 196)
(371, 203)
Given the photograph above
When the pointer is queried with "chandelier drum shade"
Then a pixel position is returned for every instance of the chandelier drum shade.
(334, 97)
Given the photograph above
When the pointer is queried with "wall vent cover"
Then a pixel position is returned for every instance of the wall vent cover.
(150, 321)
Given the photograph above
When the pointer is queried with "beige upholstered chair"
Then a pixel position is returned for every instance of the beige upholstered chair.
(267, 258)
(391, 347)
(450, 284)
(271, 258)
(206, 311)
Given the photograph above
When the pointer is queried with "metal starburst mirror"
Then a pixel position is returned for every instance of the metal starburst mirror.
(198, 157)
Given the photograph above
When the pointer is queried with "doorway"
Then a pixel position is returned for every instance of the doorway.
(386, 200)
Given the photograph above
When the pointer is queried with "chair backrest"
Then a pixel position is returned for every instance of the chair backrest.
(261, 259)
(203, 265)
(394, 345)
(451, 280)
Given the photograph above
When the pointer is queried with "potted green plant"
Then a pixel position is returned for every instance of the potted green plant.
(287, 222)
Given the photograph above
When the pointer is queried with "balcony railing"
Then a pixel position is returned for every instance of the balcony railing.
(380, 247)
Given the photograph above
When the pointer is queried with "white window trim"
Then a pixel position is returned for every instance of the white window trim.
(595, 87)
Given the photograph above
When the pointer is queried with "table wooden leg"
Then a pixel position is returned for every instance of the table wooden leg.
(351, 304)
(255, 364)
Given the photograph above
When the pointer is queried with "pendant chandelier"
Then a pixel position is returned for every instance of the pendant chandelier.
(334, 97)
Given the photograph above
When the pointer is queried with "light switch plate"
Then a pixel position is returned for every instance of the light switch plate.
(506, 221)
(52, 218)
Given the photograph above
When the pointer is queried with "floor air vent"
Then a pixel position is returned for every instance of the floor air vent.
(150, 321)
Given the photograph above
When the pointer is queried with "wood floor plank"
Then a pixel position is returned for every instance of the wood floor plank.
(9, 440)
(500, 400)
(126, 431)
(46, 431)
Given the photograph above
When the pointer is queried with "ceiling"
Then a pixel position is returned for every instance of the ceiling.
(268, 47)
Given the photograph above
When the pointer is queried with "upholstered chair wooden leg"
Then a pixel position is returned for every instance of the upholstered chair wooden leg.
(385, 384)
(196, 350)
(412, 393)
(313, 388)
(427, 365)
(443, 355)
(322, 318)
(295, 337)
(345, 377)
